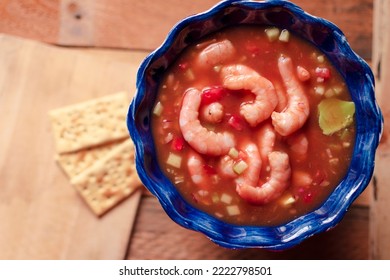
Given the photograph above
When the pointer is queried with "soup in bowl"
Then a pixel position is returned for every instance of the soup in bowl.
(255, 124)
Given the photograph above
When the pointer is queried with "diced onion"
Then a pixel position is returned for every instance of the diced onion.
(203, 192)
(346, 144)
(337, 90)
(324, 183)
(168, 138)
(329, 93)
(288, 200)
(225, 198)
(320, 58)
(179, 180)
(319, 90)
(217, 68)
(190, 74)
(215, 198)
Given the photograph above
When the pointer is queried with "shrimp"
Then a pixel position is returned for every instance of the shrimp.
(266, 141)
(299, 145)
(196, 169)
(303, 74)
(274, 187)
(282, 98)
(198, 137)
(213, 112)
(294, 116)
(251, 175)
(237, 77)
(216, 53)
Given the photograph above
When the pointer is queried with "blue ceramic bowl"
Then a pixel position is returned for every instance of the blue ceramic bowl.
(332, 42)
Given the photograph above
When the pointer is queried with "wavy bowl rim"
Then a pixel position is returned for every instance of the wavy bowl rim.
(299, 229)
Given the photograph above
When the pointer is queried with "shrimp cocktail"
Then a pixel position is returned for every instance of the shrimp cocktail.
(255, 124)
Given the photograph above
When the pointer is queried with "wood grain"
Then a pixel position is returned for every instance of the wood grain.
(379, 215)
(34, 19)
(144, 24)
(42, 216)
(164, 239)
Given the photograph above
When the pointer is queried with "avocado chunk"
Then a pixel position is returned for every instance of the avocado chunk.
(335, 114)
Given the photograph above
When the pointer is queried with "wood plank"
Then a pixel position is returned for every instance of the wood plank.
(379, 215)
(35, 19)
(42, 216)
(144, 24)
(164, 239)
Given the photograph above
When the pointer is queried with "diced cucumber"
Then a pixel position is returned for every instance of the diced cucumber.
(284, 36)
(272, 33)
(157, 111)
(240, 167)
(233, 210)
(174, 160)
(233, 153)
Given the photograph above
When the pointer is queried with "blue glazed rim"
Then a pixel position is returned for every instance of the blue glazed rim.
(332, 42)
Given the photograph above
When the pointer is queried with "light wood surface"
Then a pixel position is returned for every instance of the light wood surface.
(379, 215)
(41, 215)
(163, 239)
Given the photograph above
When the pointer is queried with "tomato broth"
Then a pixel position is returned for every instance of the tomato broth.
(318, 158)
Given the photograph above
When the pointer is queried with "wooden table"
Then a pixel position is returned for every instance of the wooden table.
(43, 67)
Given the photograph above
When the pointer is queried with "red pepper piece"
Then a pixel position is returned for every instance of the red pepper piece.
(178, 144)
(319, 177)
(209, 169)
(211, 95)
(308, 197)
(323, 72)
(183, 65)
(236, 122)
(252, 47)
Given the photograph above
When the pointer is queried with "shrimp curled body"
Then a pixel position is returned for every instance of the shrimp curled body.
(274, 187)
(251, 175)
(297, 111)
(266, 141)
(213, 113)
(216, 53)
(236, 77)
(199, 137)
(196, 169)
